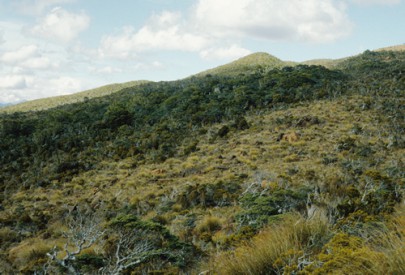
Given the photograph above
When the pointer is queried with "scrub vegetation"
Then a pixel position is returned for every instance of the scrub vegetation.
(248, 169)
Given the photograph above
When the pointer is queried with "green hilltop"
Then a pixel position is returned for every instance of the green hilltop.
(252, 62)
(256, 167)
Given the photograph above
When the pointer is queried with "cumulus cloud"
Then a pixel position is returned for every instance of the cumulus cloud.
(228, 53)
(211, 22)
(17, 88)
(377, 2)
(27, 57)
(20, 54)
(12, 82)
(37, 63)
(166, 31)
(61, 26)
(9, 97)
(37, 7)
(310, 20)
(64, 85)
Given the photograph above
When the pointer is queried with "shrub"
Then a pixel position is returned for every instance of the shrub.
(223, 131)
(345, 254)
(259, 207)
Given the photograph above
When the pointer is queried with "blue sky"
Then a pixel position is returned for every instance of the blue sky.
(57, 47)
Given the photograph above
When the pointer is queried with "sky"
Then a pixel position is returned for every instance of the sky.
(58, 47)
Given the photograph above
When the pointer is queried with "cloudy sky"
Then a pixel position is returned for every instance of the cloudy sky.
(56, 47)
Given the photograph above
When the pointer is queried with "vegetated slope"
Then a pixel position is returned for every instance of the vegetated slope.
(251, 63)
(392, 48)
(197, 167)
(337, 63)
(52, 102)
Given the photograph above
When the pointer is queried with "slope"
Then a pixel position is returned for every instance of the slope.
(52, 102)
(201, 166)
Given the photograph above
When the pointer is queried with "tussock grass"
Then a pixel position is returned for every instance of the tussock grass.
(392, 244)
(262, 254)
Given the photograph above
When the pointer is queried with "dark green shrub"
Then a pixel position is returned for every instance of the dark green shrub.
(223, 131)
(260, 207)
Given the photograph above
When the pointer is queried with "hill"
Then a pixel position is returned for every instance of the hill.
(283, 170)
(250, 63)
(392, 48)
(52, 102)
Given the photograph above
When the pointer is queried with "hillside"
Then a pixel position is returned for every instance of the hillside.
(52, 102)
(397, 48)
(251, 63)
(277, 170)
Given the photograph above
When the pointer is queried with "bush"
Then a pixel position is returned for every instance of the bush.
(259, 207)
(346, 254)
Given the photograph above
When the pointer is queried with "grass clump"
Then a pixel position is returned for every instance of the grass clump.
(278, 248)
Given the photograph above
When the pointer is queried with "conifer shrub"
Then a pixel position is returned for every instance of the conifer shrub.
(259, 207)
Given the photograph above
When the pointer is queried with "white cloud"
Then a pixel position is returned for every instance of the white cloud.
(27, 57)
(61, 26)
(38, 63)
(37, 7)
(12, 82)
(20, 54)
(310, 20)
(212, 23)
(377, 2)
(17, 88)
(166, 31)
(229, 53)
(9, 97)
(65, 85)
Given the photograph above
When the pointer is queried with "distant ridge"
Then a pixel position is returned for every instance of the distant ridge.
(261, 61)
(248, 63)
(397, 48)
(333, 63)
(52, 102)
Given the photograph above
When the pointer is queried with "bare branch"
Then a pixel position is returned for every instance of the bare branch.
(131, 248)
(83, 231)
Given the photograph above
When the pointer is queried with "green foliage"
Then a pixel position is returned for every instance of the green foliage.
(163, 244)
(259, 207)
(117, 115)
(89, 262)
